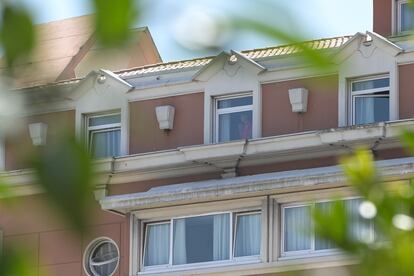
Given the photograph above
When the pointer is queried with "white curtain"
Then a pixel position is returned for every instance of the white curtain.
(297, 226)
(221, 237)
(248, 235)
(407, 17)
(157, 244)
(320, 243)
(179, 243)
(104, 259)
(224, 127)
(106, 143)
(359, 228)
(364, 110)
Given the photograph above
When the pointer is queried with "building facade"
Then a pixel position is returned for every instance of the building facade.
(210, 166)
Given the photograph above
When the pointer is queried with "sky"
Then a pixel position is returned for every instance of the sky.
(180, 27)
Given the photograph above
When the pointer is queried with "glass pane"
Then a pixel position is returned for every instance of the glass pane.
(370, 84)
(104, 259)
(320, 243)
(235, 126)
(105, 143)
(360, 228)
(157, 244)
(201, 239)
(235, 102)
(371, 109)
(297, 226)
(407, 17)
(105, 120)
(248, 235)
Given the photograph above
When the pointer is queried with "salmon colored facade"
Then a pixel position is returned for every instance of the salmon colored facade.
(211, 142)
(277, 116)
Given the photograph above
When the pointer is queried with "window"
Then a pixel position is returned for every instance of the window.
(202, 239)
(405, 16)
(370, 100)
(299, 238)
(101, 258)
(104, 135)
(233, 118)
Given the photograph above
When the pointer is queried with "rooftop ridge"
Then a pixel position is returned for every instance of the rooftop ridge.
(297, 43)
(120, 72)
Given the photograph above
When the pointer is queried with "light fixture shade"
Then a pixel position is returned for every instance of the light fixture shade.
(38, 133)
(299, 99)
(165, 116)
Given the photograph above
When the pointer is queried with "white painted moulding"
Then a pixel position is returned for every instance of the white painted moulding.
(38, 133)
(299, 99)
(237, 187)
(165, 116)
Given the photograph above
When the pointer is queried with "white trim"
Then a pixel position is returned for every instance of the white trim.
(92, 97)
(262, 184)
(208, 158)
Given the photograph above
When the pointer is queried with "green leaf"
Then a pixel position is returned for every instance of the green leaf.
(360, 171)
(333, 224)
(14, 261)
(407, 137)
(64, 170)
(316, 58)
(114, 20)
(16, 33)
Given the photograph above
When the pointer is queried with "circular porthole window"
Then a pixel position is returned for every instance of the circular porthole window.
(101, 258)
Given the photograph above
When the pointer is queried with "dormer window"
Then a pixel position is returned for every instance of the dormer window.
(405, 16)
(104, 134)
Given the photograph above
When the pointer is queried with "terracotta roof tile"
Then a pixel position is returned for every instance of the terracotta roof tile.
(319, 44)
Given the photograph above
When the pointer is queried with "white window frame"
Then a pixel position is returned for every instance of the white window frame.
(236, 215)
(398, 12)
(310, 253)
(171, 267)
(233, 207)
(89, 130)
(229, 110)
(91, 247)
(144, 243)
(367, 93)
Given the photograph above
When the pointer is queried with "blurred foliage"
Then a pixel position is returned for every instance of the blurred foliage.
(64, 169)
(14, 262)
(113, 20)
(317, 59)
(391, 252)
(16, 34)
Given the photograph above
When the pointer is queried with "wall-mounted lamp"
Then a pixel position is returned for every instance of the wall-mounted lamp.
(38, 133)
(165, 116)
(101, 79)
(299, 99)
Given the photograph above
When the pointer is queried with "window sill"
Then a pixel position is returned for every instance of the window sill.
(312, 255)
(201, 266)
(259, 267)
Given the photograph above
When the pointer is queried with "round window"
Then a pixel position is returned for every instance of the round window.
(102, 257)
